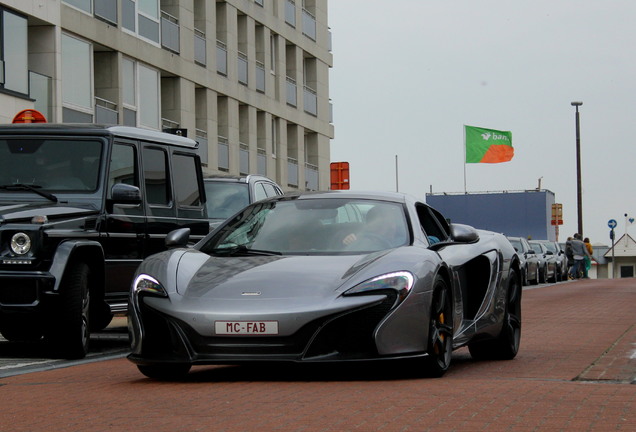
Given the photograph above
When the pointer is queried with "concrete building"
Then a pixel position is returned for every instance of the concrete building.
(248, 79)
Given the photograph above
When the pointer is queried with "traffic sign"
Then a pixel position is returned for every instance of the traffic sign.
(611, 223)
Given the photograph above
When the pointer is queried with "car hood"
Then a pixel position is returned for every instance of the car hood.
(270, 277)
(18, 212)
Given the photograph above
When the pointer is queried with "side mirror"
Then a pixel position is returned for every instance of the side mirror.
(178, 238)
(461, 233)
(549, 253)
(122, 193)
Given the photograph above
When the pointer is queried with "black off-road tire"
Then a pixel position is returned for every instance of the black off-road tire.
(69, 332)
(21, 330)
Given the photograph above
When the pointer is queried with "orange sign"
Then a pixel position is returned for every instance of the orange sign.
(339, 175)
(557, 214)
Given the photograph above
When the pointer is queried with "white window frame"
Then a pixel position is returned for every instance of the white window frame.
(91, 100)
(137, 14)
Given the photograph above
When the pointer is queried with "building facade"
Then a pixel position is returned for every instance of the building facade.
(525, 214)
(248, 79)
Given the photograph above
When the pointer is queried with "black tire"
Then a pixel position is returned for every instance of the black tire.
(169, 372)
(440, 334)
(506, 345)
(69, 334)
(21, 330)
(100, 316)
(543, 274)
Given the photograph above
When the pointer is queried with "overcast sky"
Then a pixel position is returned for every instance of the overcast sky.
(408, 74)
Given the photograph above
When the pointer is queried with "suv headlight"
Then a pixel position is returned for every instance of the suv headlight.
(145, 283)
(20, 243)
(401, 281)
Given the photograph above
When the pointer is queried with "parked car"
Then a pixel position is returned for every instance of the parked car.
(325, 277)
(80, 208)
(528, 258)
(227, 194)
(561, 259)
(547, 261)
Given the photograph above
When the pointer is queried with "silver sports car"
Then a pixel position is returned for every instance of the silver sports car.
(325, 277)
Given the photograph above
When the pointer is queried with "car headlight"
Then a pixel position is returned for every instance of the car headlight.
(401, 281)
(20, 243)
(145, 283)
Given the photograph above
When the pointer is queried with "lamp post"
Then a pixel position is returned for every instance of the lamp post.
(579, 194)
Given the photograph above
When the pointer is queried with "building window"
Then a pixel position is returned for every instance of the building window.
(142, 18)
(84, 5)
(272, 53)
(129, 92)
(77, 79)
(274, 136)
(14, 53)
(149, 99)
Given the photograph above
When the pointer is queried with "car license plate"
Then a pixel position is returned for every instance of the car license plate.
(246, 327)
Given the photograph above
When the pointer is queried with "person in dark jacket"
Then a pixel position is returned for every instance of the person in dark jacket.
(579, 252)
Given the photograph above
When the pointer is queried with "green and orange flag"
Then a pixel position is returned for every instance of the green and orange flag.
(488, 145)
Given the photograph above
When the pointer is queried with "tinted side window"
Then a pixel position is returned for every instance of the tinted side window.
(186, 184)
(155, 163)
(431, 224)
(270, 190)
(259, 191)
(123, 166)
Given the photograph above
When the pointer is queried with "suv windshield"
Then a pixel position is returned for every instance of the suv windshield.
(224, 198)
(50, 164)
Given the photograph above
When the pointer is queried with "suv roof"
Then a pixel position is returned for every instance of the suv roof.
(236, 178)
(95, 129)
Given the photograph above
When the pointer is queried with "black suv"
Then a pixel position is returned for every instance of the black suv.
(227, 194)
(80, 207)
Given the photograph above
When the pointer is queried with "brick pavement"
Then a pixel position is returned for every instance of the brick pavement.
(573, 373)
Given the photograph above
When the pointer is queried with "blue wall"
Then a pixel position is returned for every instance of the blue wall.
(518, 214)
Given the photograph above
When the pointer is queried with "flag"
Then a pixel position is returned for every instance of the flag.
(487, 145)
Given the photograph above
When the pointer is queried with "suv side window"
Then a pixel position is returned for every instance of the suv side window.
(259, 191)
(270, 190)
(155, 163)
(123, 167)
(186, 184)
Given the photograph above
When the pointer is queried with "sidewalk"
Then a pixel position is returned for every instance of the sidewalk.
(575, 371)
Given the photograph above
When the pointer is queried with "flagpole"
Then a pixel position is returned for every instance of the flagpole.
(397, 189)
(465, 190)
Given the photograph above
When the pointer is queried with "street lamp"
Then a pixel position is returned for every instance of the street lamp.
(579, 194)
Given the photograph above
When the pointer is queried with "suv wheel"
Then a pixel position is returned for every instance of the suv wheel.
(69, 334)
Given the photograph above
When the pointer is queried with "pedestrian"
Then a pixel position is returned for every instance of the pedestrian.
(569, 256)
(588, 257)
(579, 252)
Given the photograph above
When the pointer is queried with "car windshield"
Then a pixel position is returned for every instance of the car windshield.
(517, 245)
(224, 198)
(536, 248)
(64, 165)
(551, 247)
(312, 226)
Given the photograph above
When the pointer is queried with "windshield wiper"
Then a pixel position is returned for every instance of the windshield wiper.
(242, 250)
(32, 188)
